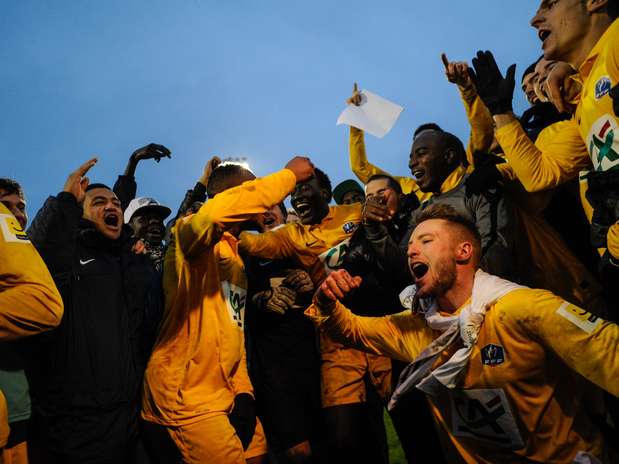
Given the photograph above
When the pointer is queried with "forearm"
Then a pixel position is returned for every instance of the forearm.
(480, 120)
(125, 189)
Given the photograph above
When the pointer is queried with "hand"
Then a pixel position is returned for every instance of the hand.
(300, 281)
(457, 72)
(302, 167)
(209, 168)
(560, 89)
(139, 247)
(356, 97)
(151, 151)
(76, 183)
(243, 418)
(495, 90)
(277, 300)
(375, 210)
(336, 286)
(612, 241)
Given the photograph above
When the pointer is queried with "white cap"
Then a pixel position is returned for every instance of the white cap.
(141, 203)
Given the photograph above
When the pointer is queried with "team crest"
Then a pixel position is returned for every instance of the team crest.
(11, 229)
(492, 355)
(603, 143)
(235, 296)
(350, 227)
(602, 87)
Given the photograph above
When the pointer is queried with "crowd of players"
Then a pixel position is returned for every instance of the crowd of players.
(474, 299)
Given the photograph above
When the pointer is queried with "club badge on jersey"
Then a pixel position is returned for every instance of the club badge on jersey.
(235, 298)
(333, 257)
(492, 355)
(603, 143)
(12, 230)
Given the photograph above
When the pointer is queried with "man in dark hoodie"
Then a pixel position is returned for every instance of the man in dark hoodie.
(86, 387)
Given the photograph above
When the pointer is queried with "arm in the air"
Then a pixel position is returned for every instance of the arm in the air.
(399, 336)
(480, 120)
(203, 229)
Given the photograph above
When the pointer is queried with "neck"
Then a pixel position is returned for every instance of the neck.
(460, 291)
(599, 25)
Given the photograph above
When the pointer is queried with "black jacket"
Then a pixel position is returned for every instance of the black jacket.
(381, 287)
(86, 386)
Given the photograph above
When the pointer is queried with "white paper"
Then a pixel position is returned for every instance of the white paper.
(374, 115)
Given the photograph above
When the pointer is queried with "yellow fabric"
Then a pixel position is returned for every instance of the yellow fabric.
(29, 300)
(258, 445)
(317, 248)
(612, 240)
(557, 155)
(597, 123)
(480, 120)
(18, 454)
(198, 363)
(548, 345)
(4, 421)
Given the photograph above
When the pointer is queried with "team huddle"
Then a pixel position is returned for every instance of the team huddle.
(472, 301)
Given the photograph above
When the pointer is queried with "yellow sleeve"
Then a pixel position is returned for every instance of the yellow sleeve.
(203, 229)
(240, 378)
(275, 244)
(364, 170)
(585, 342)
(4, 424)
(557, 156)
(401, 336)
(480, 120)
(29, 300)
(612, 240)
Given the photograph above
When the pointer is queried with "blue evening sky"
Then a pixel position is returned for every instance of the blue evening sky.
(260, 79)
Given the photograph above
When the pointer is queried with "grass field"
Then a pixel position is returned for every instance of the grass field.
(396, 455)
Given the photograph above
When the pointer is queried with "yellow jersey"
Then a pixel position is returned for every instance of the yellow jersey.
(198, 364)
(524, 393)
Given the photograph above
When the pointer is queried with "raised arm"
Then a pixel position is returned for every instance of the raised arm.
(203, 229)
(400, 336)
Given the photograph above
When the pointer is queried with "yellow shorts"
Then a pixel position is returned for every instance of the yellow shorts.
(213, 439)
(344, 372)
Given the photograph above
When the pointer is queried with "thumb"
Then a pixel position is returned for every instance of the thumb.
(356, 280)
(84, 183)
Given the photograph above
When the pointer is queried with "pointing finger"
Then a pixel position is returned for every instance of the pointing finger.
(445, 61)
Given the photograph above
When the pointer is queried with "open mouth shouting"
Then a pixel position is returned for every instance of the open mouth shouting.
(543, 35)
(304, 209)
(112, 220)
(418, 174)
(419, 270)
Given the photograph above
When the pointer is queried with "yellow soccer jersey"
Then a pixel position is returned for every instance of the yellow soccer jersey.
(523, 395)
(598, 124)
(317, 248)
(29, 300)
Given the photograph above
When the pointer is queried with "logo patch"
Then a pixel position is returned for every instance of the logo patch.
(603, 143)
(333, 257)
(12, 230)
(582, 319)
(350, 227)
(235, 301)
(485, 415)
(492, 355)
(602, 87)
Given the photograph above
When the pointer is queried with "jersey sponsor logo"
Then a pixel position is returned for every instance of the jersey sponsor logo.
(492, 355)
(603, 143)
(602, 87)
(12, 230)
(333, 257)
(350, 227)
(235, 302)
(485, 415)
(581, 318)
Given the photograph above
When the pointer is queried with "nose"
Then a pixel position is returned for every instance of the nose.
(536, 20)
(412, 163)
(412, 250)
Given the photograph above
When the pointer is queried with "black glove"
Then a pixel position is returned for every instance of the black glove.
(243, 418)
(495, 90)
(614, 94)
(482, 179)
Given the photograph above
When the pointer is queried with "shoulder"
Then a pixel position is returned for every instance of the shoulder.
(526, 303)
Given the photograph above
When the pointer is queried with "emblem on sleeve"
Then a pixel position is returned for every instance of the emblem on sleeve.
(581, 318)
(12, 230)
(350, 227)
(602, 87)
(603, 143)
(492, 355)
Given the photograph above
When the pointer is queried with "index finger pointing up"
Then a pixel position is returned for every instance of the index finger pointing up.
(84, 168)
(445, 60)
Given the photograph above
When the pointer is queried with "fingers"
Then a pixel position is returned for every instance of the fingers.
(445, 61)
(84, 168)
(340, 283)
(84, 182)
(354, 88)
(510, 75)
(215, 161)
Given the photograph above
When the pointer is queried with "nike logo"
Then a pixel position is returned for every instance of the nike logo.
(309, 245)
(83, 263)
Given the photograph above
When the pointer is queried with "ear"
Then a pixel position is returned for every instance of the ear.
(324, 194)
(594, 6)
(451, 157)
(464, 252)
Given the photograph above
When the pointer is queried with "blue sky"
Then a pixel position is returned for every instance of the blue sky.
(260, 79)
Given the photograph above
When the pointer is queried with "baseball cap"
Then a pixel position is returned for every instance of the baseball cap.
(145, 203)
(344, 187)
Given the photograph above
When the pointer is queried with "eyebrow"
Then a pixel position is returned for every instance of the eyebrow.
(427, 234)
